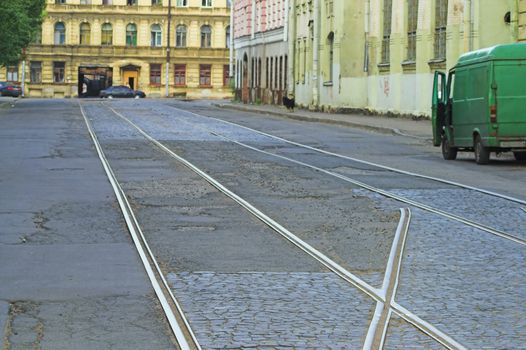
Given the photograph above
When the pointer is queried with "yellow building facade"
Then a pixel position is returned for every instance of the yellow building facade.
(380, 56)
(87, 45)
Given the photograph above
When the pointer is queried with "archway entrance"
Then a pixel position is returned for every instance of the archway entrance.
(92, 79)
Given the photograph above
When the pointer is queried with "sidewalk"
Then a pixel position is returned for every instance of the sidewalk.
(419, 129)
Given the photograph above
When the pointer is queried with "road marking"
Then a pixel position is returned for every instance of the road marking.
(453, 183)
(135, 232)
(374, 293)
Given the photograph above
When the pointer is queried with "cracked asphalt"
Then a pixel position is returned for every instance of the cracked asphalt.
(75, 280)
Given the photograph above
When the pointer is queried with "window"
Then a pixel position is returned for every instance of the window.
(205, 75)
(206, 3)
(131, 35)
(38, 36)
(412, 24)
(156, 35)
(60, 33)
(440, 29)
(386, 40)
(157, 2)
(285, 77)
(58, 72)
(330, 45)
(85, 34)
(226, 75)
(106, 34)
(206, 36)
(228, 3)
(155, 74)
(35, 72)
(227, 37)
(131, 2)
(106, 2)
(181, 3)
(12, 73)
(85, 2)
(180, 36)
(60, 2)
(180, 74)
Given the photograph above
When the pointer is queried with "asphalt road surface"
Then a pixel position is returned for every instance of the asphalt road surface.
(270, 233)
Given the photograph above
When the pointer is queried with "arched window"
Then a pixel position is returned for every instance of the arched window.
(60, 33)
(330, 45)
(156, 35)
(206, 36)
(227, 37)
(85, 34)
(180, 36)
(131, 35)
(106, 34)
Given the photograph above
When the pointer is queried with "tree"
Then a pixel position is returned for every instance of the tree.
(20, 21)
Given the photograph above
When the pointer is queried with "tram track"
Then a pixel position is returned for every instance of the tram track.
(179, 325)
(373, 189)
(357, 160)
(384, 297)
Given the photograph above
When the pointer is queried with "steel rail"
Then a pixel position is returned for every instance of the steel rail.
(352, 279)
(384, 167)
(384, 193)
(139, 240)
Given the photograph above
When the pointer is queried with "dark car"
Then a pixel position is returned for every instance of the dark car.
(121, 91)
(10, 89)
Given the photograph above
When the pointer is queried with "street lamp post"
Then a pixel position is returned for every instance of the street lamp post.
(168, 49)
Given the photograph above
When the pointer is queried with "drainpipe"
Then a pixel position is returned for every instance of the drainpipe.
(231, 41)
(291, 27)
(315, 56)
(367, 30)
(168, 49)
(23, 85)
(471, 25)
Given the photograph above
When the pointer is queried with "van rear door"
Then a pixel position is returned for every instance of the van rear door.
(510, 91)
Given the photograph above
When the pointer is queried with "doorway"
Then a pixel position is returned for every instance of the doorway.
(129, 78)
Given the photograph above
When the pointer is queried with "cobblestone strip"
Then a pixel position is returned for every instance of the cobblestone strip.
(273, 310)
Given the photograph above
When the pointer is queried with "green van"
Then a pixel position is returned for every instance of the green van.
(481, 106)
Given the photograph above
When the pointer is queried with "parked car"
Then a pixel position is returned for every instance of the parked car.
(481, 105)
(121, 91)
(11, 90)
(3, 84)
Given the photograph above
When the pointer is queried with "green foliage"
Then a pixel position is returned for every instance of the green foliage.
(20, 21)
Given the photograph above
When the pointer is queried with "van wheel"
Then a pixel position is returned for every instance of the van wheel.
(448, 152)
(521, 156)
(481, 152)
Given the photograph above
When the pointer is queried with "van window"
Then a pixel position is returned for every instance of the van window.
(451, 84)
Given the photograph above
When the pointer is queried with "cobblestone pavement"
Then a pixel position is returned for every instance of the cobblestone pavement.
(494, 212)
(402, 335)
(342, 226)
(472, 289)
(274, 310)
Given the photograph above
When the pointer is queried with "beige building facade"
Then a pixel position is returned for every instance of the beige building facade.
(381, 55)
(86, 45)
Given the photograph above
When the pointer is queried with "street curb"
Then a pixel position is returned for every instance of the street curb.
(299, 117)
